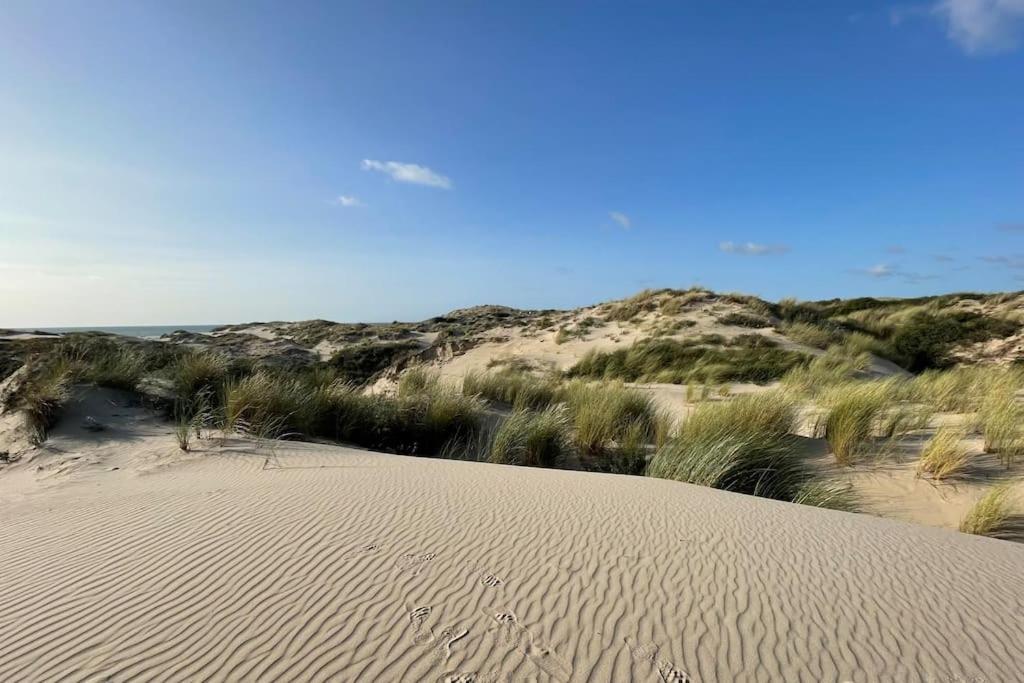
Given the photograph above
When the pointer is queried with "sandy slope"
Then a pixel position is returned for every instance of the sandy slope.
(311, 562)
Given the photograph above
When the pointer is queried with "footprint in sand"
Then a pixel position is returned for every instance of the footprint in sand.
(512, 633)
(459, 678)
(446, 639)
(491, 581)
(669, 673)
(417, 618)
(415, 562)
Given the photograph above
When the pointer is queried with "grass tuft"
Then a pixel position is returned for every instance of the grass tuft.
(991, 514)
(745, 445)
(945, 454)
(534, 439)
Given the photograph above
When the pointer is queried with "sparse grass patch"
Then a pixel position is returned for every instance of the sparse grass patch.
(825, 494)
(989, 516)
(945, 454)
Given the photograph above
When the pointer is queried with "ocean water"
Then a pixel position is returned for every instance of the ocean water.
(149, 331)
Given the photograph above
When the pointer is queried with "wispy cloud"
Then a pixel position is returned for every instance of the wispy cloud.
(752, 248)
(982, 26)
(896, 249)
(621, 218)
(348, 200)
(1011, 227)
(1012, 261)
(409, 173)
(883, 271)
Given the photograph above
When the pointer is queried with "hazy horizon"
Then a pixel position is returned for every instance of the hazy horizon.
(373, 162)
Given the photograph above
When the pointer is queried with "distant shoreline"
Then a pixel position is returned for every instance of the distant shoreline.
(126, 330)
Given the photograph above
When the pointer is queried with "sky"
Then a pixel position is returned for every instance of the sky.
(207, 162)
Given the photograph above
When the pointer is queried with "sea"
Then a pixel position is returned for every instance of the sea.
(145, 331)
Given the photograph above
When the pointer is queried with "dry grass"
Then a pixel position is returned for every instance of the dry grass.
(945, 454)
(42, 395)
(990, 515)
(855, 411)
(1001, 422)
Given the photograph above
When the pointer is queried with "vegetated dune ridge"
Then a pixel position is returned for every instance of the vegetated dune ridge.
(300, 561)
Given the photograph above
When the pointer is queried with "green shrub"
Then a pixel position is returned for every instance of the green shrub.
(359, 363)
(534, 439)
(924, 340)
(739, 319)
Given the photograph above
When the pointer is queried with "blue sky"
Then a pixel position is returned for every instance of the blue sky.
(188, 162)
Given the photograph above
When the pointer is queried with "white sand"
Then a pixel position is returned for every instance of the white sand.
(315, 562)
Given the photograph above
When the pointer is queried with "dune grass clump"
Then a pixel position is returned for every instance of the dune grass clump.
(945, 454)
(613, 426)
(810, 334)
(198, 371)
(533, 439)
(835, 366)
(745, 445)
(42, 394)
(266, 405)
(1001, 421)
(121, 368)
(516, 388)
(417, 380)
(991, 514)
(854, 412)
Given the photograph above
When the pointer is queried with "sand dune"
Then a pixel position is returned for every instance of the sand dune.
(311, 562)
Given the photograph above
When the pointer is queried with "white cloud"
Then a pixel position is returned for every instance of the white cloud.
(752, 248)
(348, 200)
(620, 218)
(884, 270)
(409, 173)
(982, 26)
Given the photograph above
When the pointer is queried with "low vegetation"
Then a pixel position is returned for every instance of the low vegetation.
(991, 515)
(747, 446)
(679, 362)
(533, 439)
(516, 388)
(945, 454)
(854, 411)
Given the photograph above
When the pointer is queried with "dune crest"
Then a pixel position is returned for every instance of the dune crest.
(311, 562)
